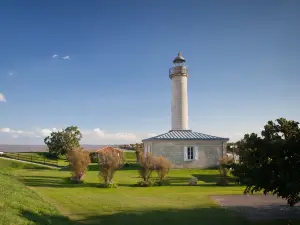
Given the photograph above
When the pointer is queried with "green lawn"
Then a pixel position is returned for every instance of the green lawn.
(41, 157)
(87, 203)
(19, 204)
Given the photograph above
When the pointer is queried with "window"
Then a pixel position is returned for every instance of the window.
(190, 153)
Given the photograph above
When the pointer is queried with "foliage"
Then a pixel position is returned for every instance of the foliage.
(162, 183)
(110, 159)
(79, 162)
(222, 180)
(162, 166)
(135, 146)
(271, 163)
(146, 166)
(94, 157)
(61, 142)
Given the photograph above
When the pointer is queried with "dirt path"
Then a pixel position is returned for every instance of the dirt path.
(259, 207)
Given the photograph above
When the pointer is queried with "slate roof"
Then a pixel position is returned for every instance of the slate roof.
(185, 135)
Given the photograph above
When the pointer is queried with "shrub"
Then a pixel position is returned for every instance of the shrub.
(79, 161)
(146, 167)
(94, 157)
(162, 183)
(193, 181)
(162, 166)
(110, 159)
(137, 154)
(222, 180)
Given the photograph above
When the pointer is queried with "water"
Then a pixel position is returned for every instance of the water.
(40, 148)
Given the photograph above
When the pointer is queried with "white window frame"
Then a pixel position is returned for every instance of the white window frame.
(193, 152)
(190, 153)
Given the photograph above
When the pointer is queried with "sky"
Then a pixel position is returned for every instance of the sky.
(103, 66)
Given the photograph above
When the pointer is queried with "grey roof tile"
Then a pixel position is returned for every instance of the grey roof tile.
(185, 135)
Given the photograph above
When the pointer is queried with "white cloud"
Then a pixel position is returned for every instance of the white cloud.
(67, 57)
(54, 56)
(2, 98)
(151, 135)
(16, 132)
(99, 132)
(5, 130)
(113, 136)
(46, 131)
(99, 136)
(95, 136)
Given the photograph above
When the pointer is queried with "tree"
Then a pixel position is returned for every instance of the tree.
(79, 162)
(110, 159)
(271, 163)
(61, 142)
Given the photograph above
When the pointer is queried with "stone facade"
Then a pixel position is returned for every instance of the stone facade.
(209, 152)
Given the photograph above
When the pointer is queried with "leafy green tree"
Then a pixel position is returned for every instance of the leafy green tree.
(61, 142)
(271, 163)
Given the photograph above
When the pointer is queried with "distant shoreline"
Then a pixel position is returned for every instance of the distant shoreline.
(39, 148)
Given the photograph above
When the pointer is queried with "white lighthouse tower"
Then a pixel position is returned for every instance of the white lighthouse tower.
(183, 147)
(179, 74)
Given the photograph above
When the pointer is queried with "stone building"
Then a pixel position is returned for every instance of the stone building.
(183, 147)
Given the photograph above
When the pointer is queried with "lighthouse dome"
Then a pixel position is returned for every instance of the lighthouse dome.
(179, 59)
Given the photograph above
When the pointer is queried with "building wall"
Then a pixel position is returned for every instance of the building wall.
(209, 152)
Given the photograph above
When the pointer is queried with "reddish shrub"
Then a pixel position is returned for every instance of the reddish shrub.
(79, 161)
(110, 159)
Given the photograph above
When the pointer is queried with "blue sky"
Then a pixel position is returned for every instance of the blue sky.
(243, 57)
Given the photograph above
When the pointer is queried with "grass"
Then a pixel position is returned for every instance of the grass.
(38, 157)
(18, 203)
(87, 203)
(42, 157)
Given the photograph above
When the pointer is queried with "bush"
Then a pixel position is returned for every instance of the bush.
(110, 159)
(79, 161)
(193, 181)
(162, 166)
(146, 167)
(222, 180)
(270, 162)
(162, 183)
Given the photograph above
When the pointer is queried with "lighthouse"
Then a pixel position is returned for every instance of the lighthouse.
(179, 110)
(183, 147)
